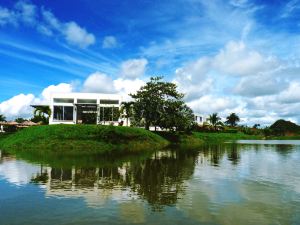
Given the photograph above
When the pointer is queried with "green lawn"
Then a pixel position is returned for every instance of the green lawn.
(82, 139)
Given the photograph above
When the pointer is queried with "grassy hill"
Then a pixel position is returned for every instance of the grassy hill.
(282, 127)
(82, 139)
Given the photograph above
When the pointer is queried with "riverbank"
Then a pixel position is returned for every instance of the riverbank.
(82, 139)
(92, 139)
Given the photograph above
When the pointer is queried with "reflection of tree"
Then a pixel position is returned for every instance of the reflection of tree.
(233, 154)
(159, 179)
(41, 177)
(284, 149)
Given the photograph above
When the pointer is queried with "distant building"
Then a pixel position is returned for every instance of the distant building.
(200, 119)
(84, 108)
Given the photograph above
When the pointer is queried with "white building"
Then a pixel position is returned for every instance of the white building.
(84, 108)
(200, 119)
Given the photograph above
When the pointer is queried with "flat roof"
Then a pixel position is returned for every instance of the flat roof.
(86, 95)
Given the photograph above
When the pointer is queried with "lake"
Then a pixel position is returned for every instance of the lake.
(248, 182)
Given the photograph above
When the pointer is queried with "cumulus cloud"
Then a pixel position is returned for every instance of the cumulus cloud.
(102, 83)
(99, 83)
(19, 105)
(259, 85)
(46, 23)
(237, 59)
(291, 94)
(109, 42)
(209, 104)
(133, 68)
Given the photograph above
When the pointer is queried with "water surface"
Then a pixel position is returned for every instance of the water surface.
(242, 183)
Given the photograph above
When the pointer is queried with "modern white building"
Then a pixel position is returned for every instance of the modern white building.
(84, 108)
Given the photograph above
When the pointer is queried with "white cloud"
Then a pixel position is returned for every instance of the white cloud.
(291, 95)
(27, 12)
(7, 17)
(192, 79)
(125, 87)
(19, 105)
(99, 83)
(258, 86)
(102, 83)
(209, 104)
(46, 23)
(133, 68)
(60, 88)
(237, 59)
(77, 35)
(109, 42)
(50, 19)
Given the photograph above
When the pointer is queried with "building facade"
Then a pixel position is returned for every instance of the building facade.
(84, 108)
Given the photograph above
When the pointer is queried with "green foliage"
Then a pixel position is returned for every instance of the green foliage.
(20, 120)
(127, 111)
(41, 114)
(215, 121)
(158, 103)
(82, 139)
(2, 118)
(232, 119)
(282, 127)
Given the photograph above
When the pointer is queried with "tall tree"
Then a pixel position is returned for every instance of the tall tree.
(2, 118)
(232, 119)
(158, 103)
(215, 120)
(127, 110)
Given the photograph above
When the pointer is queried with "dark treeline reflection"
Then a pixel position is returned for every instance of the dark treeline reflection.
(159, 178)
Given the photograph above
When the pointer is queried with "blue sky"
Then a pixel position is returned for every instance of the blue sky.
(227, 56)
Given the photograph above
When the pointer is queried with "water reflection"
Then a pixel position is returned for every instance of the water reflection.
(221, 184)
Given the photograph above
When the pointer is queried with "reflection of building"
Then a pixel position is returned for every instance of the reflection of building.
(86, 108)
(96, 185)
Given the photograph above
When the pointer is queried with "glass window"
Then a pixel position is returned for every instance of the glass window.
(87, 101)
(109, 113)
(63, 113)
(63, 100)
(106, 101)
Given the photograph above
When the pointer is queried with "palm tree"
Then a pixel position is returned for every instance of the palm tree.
(127, 110)
(2, 118)
(43, 112)
(232, 119)
(215, 120)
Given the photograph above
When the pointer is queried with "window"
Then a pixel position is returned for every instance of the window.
(63, 100)
(87, 101)
(106, 101)
(109, 113)
(63, 113)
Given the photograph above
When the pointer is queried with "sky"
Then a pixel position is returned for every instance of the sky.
(239, 56)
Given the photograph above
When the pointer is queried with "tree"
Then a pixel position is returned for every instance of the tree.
(127, 110)
(20, 120)
(215, 120)
(2, 118)
(177, 116)
(256, 126)
(232, 119)
(41, 114)
(158, 103)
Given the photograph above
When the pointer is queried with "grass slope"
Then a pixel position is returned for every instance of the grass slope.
(82, 139)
